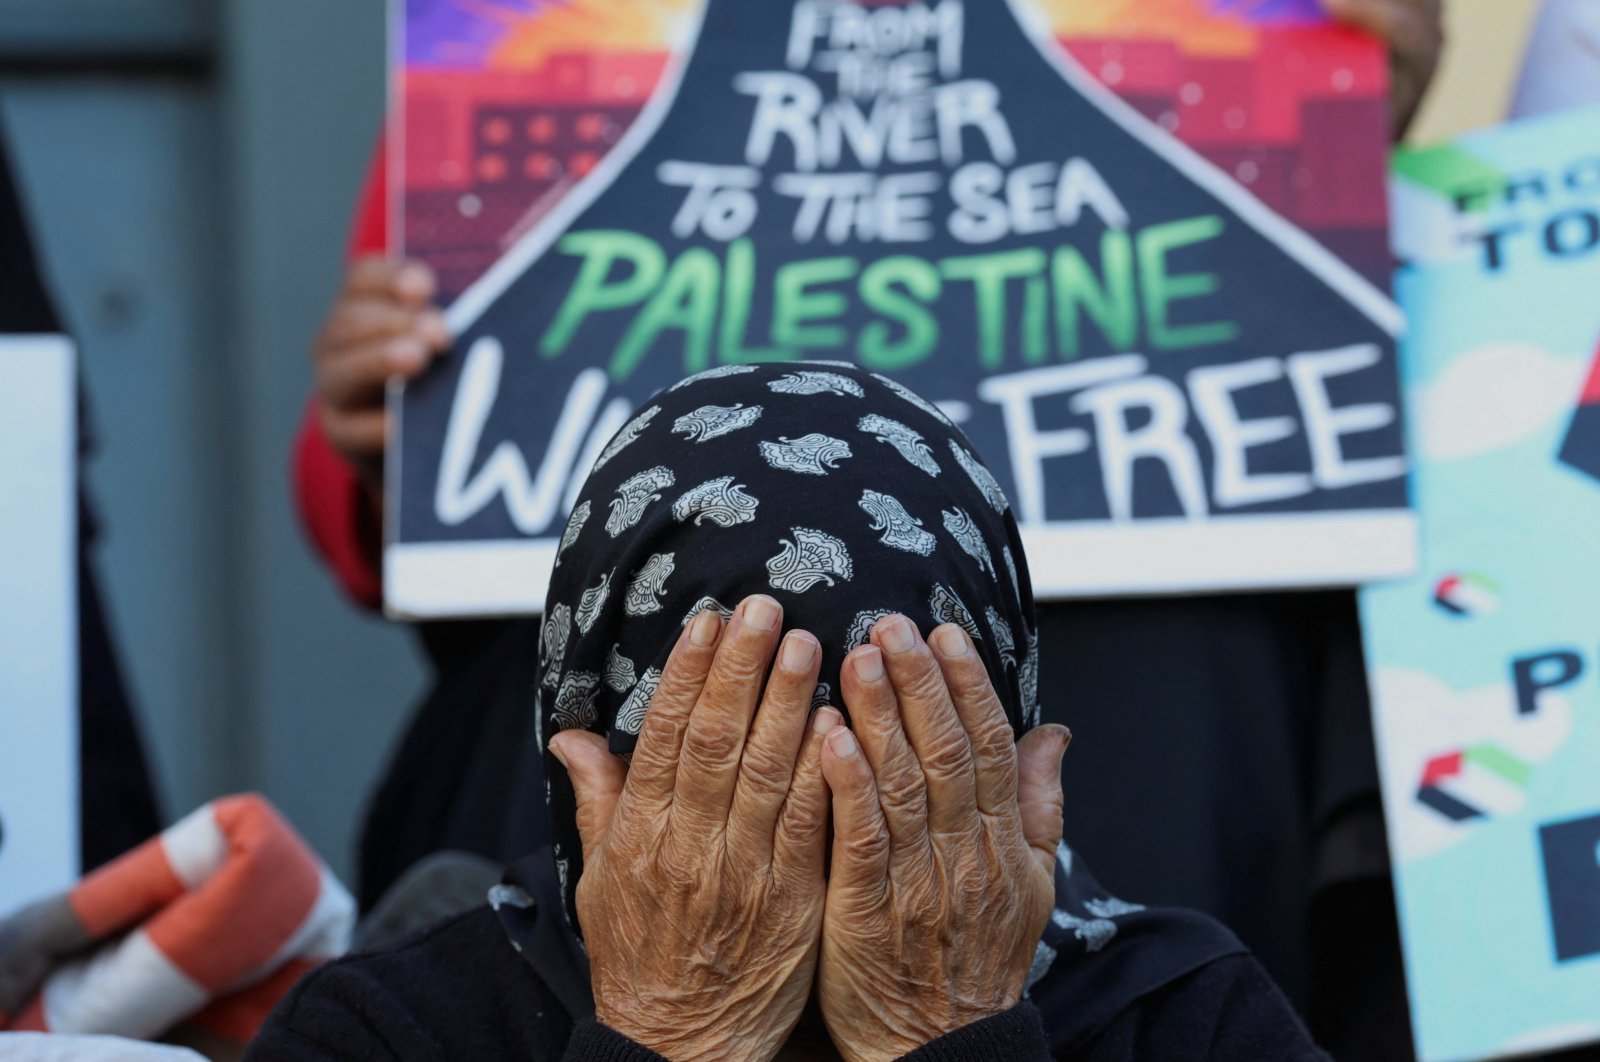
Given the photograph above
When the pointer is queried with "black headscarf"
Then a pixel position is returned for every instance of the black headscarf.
(846, 497)
(843, 495)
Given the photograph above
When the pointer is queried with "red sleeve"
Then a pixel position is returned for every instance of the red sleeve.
(371, 232)
(338, 513)
(336, 510)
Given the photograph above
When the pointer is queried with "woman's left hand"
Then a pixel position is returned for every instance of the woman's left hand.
(944, 849)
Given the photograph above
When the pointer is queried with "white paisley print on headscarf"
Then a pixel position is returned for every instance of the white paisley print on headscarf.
(630, 431)
(575, 525)
(809, 558)
(719, 373)
(861, 627)
(981, 477)
(704, 603)
(720, 500)
(900, 529)
(1004, 641)
(812, 382)
(1028, 677)
(811, 455)
(967, 535)
(553, 643)
(634, 496)
(947, 608)
(619, 674)
(592, 601)
(630, 717)
(713, 422)
(649, 585)
(908, 442)
(575, 707)
(1098, 929)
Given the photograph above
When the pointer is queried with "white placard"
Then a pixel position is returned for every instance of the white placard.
(38, 618)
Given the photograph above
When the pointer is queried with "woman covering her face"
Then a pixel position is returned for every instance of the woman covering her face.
(787, 686)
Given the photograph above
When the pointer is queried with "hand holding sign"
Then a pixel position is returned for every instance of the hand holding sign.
(1414, 31)
(381, 325)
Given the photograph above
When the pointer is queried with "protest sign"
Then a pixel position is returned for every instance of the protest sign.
(1486, 664)
(38, 619)
(1086, 234)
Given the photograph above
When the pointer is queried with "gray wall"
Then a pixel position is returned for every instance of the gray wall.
(191, 167)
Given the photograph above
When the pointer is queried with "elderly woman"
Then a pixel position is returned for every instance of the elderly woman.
(699, 756)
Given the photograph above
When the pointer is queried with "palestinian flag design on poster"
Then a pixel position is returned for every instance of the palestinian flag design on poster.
(1135, 249)
(1473, 783)
(1581, 450)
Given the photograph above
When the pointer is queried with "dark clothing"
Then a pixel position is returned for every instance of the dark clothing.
(1245, 719)
(118, 803)
(1255, 792)
(459, 990)
(466, 775)
(413, 1004)
(1098, 956)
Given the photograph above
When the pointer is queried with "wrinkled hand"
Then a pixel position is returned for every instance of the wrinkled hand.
(702, 891)
(944, 846)
(1414, 31)
(382, 324)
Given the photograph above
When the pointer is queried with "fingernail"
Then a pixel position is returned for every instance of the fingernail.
(405, 352)
(705, 628)
(896, 634)
(843, 743)
(798, 651)
(762, 612)
(826, 720)
(1062, 734)
(869, 664)
(555, 750)
(414, 277)
(432, 322)
(951, 641)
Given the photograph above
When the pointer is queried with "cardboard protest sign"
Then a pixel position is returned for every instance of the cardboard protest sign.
(1486, 664)
(38, 619)
(1179, 386)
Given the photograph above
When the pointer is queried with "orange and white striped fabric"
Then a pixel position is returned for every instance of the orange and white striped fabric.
(210, 923)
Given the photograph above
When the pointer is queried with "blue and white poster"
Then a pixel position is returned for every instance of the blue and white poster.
(1486, 664)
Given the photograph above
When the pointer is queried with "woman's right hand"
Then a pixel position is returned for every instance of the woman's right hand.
(702, 891)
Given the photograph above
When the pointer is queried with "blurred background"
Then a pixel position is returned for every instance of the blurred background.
(191, 168)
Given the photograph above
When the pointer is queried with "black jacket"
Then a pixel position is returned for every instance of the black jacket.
(457, 991)
(1178, 988)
